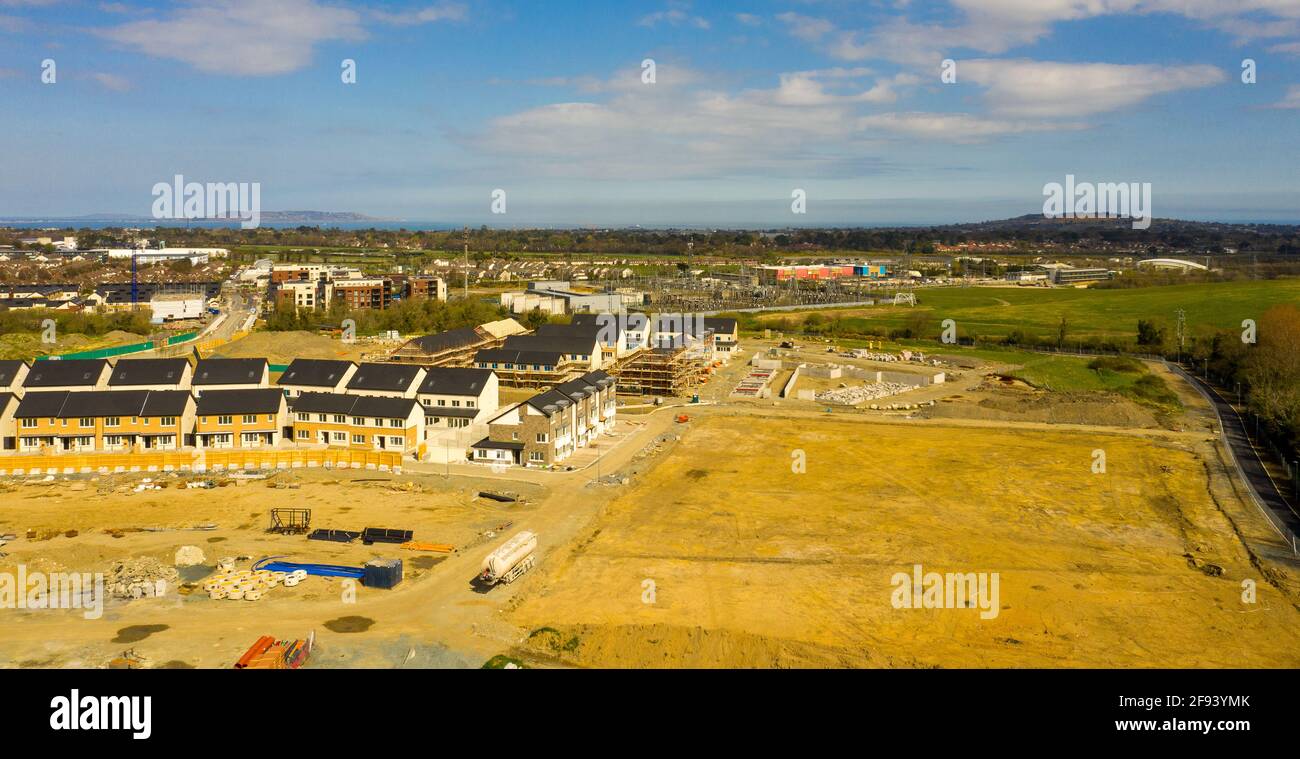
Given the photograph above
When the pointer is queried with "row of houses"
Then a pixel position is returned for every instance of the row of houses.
(92, 405)
(546, 429)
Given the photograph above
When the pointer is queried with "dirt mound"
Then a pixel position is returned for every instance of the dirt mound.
(283, 347)
(1051, 408)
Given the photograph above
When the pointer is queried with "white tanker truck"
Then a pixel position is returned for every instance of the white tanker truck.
(511, 560)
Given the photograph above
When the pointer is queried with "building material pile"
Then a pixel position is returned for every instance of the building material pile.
(143, 577)
(852, 396)
(248, 584)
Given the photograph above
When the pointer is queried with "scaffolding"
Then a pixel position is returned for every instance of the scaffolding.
(661, 371)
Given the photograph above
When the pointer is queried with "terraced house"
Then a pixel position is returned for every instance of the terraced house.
(315, 375)
(456, 397)
(150, 374)
(104, 420)
(230, 374)
(245, 418)
(68, 374)
(358, 422)
(389, 380)
(546, 429)
(12, 375)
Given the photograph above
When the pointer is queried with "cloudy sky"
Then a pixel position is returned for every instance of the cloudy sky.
(749, 101)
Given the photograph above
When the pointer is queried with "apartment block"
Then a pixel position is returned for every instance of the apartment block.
(546, 429)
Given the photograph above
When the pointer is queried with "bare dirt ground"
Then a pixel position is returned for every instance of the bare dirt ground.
(753, 564)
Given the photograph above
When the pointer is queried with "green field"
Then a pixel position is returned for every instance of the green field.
(998, 311)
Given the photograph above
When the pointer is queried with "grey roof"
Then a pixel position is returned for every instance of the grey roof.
(65, 372)
(452, 338)
(314, 372)
(501, 444)
(66, 404)
(460, 412)
(147, 371)
(720, 325)
(354, 405)
(392, 377)
(229, 371)
(551, 399)
(571, 344)
(260, 400)
(9, 370)
(447, 380)
(508, 356)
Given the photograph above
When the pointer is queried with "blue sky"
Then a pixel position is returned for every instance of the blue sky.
(751, 100)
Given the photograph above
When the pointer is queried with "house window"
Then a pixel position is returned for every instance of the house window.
(341, 437)
(537, 456)
(359, 421)
(225, 419)
(87, 422)
(339, 419)
(30, 422)
(303, 434)
(320, 417)
(392, 422)
(469, 404)
(112, 421)
(542, 437)
(394, 440)
(250, 418)
(304, 417)
(442, 401)
(358, 438)
(456, 404)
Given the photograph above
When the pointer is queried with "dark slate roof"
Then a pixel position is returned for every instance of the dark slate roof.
(447, 380)
(598, 377)
(65, 404)
(577, 389)
(551, 398)
(314, 372)
(720, 325)
(65, 373)
(509, 356)
(391, 377)
(9, 370)
(7, 398)
(571, 344)
(452, 338)
(245, 401)
(229, 371)
(503, 445)
(148, 371)
(354, 405)
(584, 328)
(459, 412)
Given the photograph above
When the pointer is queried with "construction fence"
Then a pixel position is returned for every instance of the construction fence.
(207, 460)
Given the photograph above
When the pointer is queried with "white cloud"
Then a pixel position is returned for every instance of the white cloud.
(444, 11)
(674, 16)
(240, 37)
(1291, 99)
(111, 81)
(1044, 89)
(956, 127)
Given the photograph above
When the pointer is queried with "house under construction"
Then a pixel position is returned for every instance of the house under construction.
(662, 371)
(455, 347)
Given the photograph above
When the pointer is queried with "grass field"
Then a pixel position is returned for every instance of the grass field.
(1102, 313)
(728, 557)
